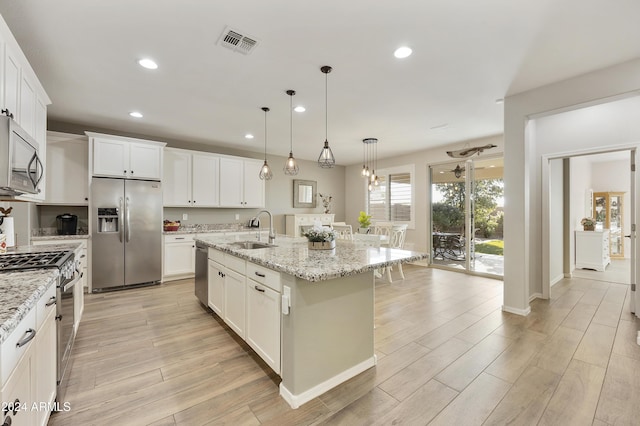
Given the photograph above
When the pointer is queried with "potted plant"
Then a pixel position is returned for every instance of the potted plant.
(321, 238)
(588, 223)
(365, 222)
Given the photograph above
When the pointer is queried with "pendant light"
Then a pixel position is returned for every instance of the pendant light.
(265, 171)
(370, 161)
(326, 160)
(291, 166)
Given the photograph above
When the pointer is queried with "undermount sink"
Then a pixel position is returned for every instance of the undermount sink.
(251, 245)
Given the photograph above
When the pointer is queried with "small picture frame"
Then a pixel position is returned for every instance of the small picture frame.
(304, 193)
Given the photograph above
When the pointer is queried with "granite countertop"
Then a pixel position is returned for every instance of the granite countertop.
(19, 293)
(20, 290)
(212, 228)
(60, 237)
(62, 246)
(292, 256)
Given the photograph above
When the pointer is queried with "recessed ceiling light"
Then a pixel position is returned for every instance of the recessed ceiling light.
(135, 114)
(493, 165)
(248, 136)
(500, 101)
(402, 52)
(148, 63)
(299, 108)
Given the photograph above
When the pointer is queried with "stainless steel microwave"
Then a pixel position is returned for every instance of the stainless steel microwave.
(21, 170)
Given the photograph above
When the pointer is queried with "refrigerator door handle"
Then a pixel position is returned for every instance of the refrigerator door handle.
(128, 231)
(121, 220)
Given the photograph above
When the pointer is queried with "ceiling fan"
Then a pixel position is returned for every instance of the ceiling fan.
(459, 171)
(468, 152)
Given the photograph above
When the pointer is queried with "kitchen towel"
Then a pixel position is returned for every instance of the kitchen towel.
(7, 229)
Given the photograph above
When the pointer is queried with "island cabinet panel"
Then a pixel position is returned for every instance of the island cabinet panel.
(263, 322)
(234, 301)
(327, 337)
(216, 287)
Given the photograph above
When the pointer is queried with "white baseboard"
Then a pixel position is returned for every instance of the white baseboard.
(517, 311)
(296, 401)
(556, 280)
(535, 296)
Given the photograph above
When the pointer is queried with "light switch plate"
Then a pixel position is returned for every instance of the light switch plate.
(185, 216)
(237, 216)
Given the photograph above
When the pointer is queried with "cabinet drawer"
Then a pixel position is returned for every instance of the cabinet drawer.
(234, 263)
(263, 275)
(42, 310)
(178, 238)
(10, 353)
(216, 255)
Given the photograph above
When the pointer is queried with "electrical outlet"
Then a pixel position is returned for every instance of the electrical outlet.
(237, 216)
(185, 216)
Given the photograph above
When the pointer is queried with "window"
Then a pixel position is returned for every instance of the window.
(392, 200)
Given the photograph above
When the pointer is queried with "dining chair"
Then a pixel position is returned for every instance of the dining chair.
(383, 229)
(344, 232)
(369, 240)
(396, 240)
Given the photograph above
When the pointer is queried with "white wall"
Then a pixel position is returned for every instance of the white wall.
(523, 155)
(556, 222)
(417, 238)
(580, 183)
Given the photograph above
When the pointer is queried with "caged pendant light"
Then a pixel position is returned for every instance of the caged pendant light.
(369, 161)
(291, 166)
(326, 160)
(265, 171)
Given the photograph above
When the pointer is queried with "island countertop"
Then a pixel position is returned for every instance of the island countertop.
(292, 256)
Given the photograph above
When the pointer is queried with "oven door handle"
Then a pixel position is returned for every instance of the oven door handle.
(70, 284)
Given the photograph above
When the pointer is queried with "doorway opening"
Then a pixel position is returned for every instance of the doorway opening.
(467, 216)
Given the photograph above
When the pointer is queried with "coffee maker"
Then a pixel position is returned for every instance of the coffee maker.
(67, 224)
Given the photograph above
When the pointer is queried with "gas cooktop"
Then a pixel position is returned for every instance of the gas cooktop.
(20, 261)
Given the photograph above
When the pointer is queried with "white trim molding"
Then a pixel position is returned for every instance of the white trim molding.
(517, 311)
(296, 401)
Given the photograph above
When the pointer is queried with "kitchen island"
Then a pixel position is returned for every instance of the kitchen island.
(327, 303)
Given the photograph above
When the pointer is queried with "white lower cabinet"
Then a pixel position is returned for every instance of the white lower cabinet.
(234, 301)
(28, 366)
(263, 323)
(247, 297)
(216, 287)
(592, 250)
(45, 367)
(17, 393)
(179, 257)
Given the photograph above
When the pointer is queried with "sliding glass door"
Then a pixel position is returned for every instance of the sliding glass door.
(467, 215)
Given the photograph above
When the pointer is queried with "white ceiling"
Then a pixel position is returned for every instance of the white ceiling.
(466, 54)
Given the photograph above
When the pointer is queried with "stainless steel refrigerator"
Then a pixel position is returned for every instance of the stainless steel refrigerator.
(126, 238)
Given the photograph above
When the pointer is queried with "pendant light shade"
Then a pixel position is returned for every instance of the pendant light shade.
(291, 166)
(326, 160)
(265, 171)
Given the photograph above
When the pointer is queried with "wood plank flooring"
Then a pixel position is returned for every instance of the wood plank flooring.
(447, 355)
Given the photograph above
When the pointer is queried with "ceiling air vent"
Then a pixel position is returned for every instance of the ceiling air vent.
(237, 42)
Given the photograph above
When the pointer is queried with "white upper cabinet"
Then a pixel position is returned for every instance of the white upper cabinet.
(11, 81)
(190, 178)
(116, 156)
(240, 184)
(23, 97)
(176, 178)
(67, 172)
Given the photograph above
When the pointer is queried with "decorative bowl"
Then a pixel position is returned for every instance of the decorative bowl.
(171, 227)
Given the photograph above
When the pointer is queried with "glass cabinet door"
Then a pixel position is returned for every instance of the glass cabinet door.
(608, 212)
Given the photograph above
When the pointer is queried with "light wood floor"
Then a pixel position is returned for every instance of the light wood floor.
(447, 355)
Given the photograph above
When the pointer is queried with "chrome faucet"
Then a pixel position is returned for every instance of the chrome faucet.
(272, 235)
